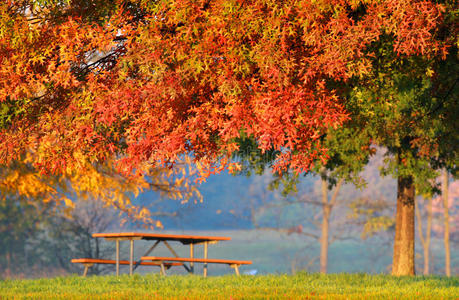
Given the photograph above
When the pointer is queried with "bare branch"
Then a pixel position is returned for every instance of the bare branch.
(289, 231)
(335, 193)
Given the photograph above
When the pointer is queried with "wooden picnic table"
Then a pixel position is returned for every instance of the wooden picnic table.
(165, 239)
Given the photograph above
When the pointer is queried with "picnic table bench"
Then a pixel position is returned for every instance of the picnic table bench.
(163, 262)
(89, 262)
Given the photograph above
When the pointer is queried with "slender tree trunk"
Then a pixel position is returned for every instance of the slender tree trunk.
(8, 264)
(403, 260)
(446, 220)
(293, 263)
(425, 240)
(325, 228)
(324, 245)
(327, 207)
(428, 234)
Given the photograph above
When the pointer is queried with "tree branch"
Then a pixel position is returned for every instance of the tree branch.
(335, 193)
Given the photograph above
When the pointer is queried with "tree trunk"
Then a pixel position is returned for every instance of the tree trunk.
(8, 264)
(425, 240)
(327, 207)
(446, 220)
(403, 260)
(325, 228)
(324, 245)
(428, 234)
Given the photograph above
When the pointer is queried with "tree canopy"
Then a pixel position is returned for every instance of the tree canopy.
(150, 80)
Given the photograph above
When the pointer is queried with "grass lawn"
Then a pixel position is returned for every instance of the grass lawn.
(300, 286)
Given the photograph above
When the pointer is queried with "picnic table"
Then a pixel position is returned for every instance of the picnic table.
(163, 262)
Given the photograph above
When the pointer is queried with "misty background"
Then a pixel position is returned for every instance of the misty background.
(280, 234)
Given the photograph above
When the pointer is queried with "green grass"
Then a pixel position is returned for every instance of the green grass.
(300, 286)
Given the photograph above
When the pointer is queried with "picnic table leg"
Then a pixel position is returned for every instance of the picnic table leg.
(117, 257)
(86, 267)
(131, 258)
(176, 255)
(236, 269)
(163, 269)
(191, 256)
(146, 253)
(205, 257)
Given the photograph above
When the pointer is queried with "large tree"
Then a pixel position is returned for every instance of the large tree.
(148, 81)
(411, 109)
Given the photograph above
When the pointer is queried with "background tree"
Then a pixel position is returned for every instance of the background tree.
(425, 237)
(19, 221)
(349, 152)
(446, 220)
(47, 219)
(64, 237)
(365, 211)
(300, 213)
(448, 214)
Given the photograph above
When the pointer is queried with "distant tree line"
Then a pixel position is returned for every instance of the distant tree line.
(37, 241)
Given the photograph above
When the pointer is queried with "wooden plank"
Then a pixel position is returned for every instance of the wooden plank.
(185, 239)
(122, 238)
(197, 260)
(206, 241)
(91, 261)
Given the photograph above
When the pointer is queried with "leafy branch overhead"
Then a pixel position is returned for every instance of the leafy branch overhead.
(148, 81)
(20, 181)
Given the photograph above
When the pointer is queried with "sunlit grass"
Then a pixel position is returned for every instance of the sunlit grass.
(300, 286)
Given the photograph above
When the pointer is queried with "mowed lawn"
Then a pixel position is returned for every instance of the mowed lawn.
(300, 286)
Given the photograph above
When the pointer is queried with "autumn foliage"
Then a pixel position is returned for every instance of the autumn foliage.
(24, 185)
(148, 81)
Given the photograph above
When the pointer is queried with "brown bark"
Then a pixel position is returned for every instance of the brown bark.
(398, 220)
(325, 228)
(446, 220)
(327, 207)
(324, 245)
(428, 235)
(425, 240)
(403, 262)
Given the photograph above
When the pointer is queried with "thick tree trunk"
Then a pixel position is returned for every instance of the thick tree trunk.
(403, 261)
(446, 220)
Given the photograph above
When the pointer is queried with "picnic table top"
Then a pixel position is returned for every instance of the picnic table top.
(184, 239)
